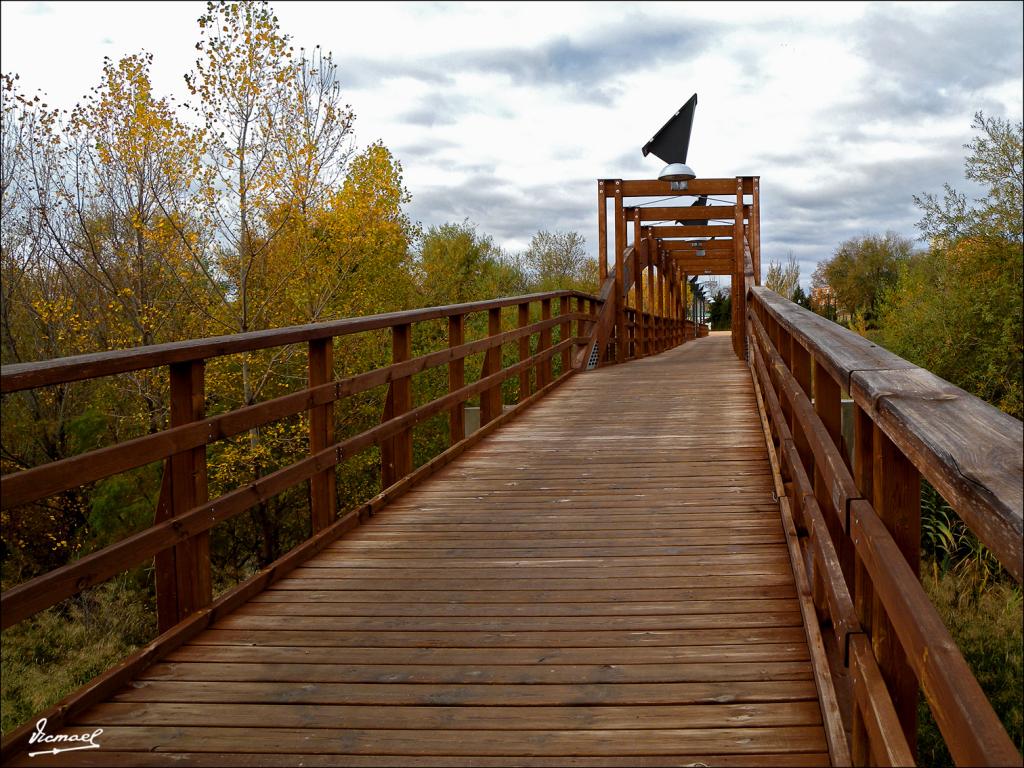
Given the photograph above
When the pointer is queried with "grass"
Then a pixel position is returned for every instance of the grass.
(986, 624)
(48, 656)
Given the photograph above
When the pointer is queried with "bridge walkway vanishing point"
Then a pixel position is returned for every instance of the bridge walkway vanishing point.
(603, 581)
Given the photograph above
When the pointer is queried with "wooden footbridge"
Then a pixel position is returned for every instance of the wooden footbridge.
(657, 550)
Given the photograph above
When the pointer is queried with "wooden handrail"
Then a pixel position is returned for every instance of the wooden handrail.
(94, 365)
(864, 565)
(50, 588)
(183, 527)
(969, 450)
(49, 479)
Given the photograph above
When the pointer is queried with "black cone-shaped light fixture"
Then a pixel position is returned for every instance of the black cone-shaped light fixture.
(671, 143)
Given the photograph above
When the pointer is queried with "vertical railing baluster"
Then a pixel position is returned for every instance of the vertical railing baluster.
(652, 300)
(828, 405)
(800, 363)
(396, 451)
(897, 502)
(524, 351)
(640, 329)
(456, 379)
(322, 488)
(564, 332)
(490, 399)
(544, 367)
(183, 572)
(581, 324)
(862, 589)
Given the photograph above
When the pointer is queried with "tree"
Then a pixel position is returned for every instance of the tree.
(455, 264)
(994, 161)
(957, 309)
(558, 261)
(783, 279)
(801, 298)
(859, 272)
(720, 311)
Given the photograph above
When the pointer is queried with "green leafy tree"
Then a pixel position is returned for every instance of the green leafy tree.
(995, 162)
(720, 311)
(457, 264)
(957, 309)
(801, 298)
(859, 272)
(559, 261)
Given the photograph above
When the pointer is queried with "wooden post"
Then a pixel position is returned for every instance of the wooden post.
(683, 287)
(456, 380)
(863, 590)
(581, 325)
(638, 283)
(396, 451)
(693, 304)
(620, 279)
(322, 488)
(652, 301)
(182, 573)
(828, 406)
(897, 502)
(544, 368)
(564, 332)
(755, 229)
(663, 342)
(524, 352)
(602, 234)
(590, 324)
(677, 306)
(490, 399)
(800, 364)
(738, 299)
(670, 298)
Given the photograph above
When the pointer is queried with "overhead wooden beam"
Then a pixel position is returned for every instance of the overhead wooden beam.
(671, 246)
(705, 266)
(678, 230)
(655, 188)
(689, 213)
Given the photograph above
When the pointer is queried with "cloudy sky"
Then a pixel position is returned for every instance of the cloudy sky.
(505, 114)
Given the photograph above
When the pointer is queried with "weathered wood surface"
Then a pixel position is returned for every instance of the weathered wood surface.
(971, 452)
(604, 581)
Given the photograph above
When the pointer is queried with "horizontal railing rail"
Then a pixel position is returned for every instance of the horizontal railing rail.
(859, 519)
(94, 365)
(194, 434)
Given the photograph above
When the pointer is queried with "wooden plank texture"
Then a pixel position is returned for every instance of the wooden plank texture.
(602, 581)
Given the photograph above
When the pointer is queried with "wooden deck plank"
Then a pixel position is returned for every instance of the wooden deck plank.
(458, 718)
(467, 742)
(460, 694)
(142, 759)
(656, 654)
(680, 607)
(698, 592)
(477, 674)
(604, 581)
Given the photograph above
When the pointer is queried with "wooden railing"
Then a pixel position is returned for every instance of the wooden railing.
(857, 522)
(178, 539)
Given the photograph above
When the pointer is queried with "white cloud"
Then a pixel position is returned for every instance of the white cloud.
(507, 113)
